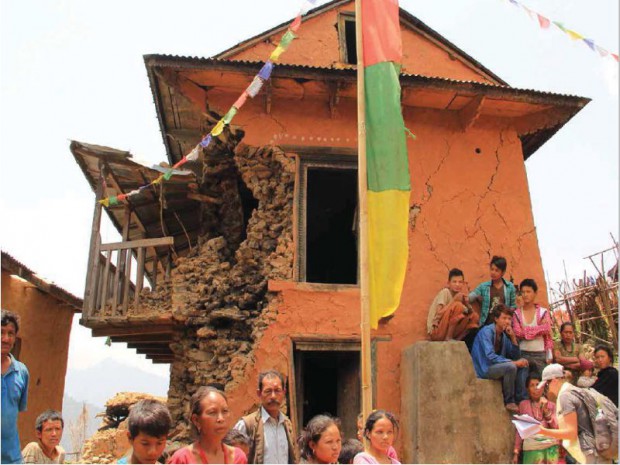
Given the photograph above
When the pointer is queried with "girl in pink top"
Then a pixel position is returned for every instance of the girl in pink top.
(210, 422)
(379, 432)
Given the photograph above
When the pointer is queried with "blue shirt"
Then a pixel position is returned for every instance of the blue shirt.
(484, 290)
(483, 351)
(14, 400)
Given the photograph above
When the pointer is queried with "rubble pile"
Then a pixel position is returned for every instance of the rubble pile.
(110, 442)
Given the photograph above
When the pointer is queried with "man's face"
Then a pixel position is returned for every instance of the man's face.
(146, 448)
(503, 321)
(9, 335)
(528, 294)
(50, 434)
(456, 283)
(495, 273)
(272, 394)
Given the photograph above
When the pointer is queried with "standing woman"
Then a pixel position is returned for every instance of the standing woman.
(379, 433)
(210, 419)
(607, 378)
(532, 326)
(321, 441)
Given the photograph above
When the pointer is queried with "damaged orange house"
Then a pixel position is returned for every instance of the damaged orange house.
(251, 251)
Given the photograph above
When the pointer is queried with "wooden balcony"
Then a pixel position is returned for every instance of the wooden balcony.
(126, 281)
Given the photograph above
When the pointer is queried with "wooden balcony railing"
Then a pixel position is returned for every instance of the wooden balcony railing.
(110, 285)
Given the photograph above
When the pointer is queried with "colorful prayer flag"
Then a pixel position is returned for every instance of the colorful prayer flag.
(265, 71)
(387, 163)
(275, 55)
(230, 115)
(241, 100)
(206, 141)
(287, 39)
(195, 153)
(544, 22)
(574, 35)
(254, 87)
(590, 43)
(218, 128)
(296, 23)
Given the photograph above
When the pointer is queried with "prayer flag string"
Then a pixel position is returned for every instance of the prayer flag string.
(545, 23)
(252, 90)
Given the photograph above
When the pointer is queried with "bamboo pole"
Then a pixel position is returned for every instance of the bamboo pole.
(366, 361)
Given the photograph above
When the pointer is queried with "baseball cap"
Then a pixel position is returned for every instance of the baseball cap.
(553, 371)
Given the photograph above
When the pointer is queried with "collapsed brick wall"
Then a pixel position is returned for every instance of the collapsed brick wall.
(220, 290)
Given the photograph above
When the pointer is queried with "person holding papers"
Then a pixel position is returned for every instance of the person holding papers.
(537, 448)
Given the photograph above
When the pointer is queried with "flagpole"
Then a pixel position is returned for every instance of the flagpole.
(366, 362)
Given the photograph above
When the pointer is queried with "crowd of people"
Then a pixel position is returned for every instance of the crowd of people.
(510, 338)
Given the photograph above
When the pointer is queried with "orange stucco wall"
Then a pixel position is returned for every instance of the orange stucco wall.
(471, 206)
(318, 45)
(45, 326)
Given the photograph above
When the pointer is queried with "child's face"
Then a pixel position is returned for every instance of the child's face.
(587, 373)
(456, 283)
(495, 273)
(146, 448)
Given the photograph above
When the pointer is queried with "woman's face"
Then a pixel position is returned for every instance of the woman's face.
(214, 419)
(382, 435)
(327, 448)
(533, 391)
(601, 359)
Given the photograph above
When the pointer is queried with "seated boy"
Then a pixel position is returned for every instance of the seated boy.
(350, 448)
(450, 316)
(236, 438)
(148, 426)
(47, 449)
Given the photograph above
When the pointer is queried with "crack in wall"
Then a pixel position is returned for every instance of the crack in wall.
(429, 187)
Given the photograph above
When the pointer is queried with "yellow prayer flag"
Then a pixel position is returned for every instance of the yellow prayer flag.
(275, 55)
(574, 35)
(218, 128)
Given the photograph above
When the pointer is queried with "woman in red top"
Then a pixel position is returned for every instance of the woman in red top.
(210, 419)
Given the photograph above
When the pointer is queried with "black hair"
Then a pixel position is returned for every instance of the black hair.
(499, 262)
(533, 375)
(269, 374)
(565, 324)
(455, 272)
(313, 432)
(197, 397)
(529, 282)
(350, 448)
(48, 415)
(377, 415)
(607, 349)
(234, 437)
(149, 416)
(498, 309)
(10, 317)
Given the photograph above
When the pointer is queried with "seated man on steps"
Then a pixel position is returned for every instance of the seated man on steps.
(496, 355)
(450, 317)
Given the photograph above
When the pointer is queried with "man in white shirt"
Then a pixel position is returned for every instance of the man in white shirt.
(270, 431)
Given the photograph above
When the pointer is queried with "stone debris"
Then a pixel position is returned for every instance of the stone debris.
(110, 442)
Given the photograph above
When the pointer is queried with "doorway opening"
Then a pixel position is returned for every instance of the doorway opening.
(328, 381)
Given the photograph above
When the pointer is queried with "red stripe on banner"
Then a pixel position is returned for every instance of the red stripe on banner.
(544, 22)
(381, 32)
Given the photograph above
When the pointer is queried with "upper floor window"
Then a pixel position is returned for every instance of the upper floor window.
(346, 36)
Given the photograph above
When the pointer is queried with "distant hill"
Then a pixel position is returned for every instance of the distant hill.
(97, 384)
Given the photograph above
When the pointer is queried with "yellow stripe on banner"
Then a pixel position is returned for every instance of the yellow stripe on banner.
(388, 250)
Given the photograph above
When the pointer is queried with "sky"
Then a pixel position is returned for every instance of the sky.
(73, 70)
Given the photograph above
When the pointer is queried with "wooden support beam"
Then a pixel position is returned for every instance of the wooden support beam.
(334, 98)
(162, 361)
(268, 96)
(187, 88)
(204, 198)
(159, 352)
(155, 242)
(132, 330)
(93, 252)
(469, 114)
(142, 338)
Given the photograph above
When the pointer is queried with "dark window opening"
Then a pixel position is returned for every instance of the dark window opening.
(248, 204)
(350, 43)
(329, 382)
(331, 226)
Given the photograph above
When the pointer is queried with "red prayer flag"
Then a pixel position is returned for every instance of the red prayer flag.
(381, 38)
(296, 23)
(544, 22)
(615, 55)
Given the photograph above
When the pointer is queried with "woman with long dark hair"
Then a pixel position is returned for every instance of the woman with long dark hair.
(321, 440)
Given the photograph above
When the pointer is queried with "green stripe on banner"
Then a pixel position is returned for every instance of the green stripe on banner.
(386, 146)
